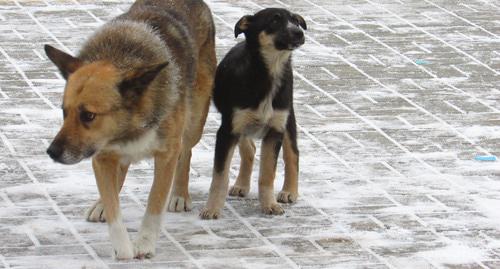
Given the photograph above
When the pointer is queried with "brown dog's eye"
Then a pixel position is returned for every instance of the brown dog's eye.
(86, 116)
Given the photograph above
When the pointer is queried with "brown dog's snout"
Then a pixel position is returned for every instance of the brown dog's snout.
(56, 150)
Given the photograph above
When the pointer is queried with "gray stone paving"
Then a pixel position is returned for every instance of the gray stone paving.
(394, 98)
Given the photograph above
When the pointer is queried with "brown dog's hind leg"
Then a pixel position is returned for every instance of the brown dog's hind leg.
(95, 213)
(247, 153)
(180, 199)
(107, 171)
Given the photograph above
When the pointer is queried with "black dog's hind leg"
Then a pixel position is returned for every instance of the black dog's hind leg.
(224, 148)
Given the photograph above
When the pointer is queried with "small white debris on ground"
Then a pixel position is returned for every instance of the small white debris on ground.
(394, 99)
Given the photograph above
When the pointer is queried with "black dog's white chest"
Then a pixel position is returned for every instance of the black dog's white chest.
(255, 122)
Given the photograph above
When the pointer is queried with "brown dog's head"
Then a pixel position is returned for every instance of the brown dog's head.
(95, 102)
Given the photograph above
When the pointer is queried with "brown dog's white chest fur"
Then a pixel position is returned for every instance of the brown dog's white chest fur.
(138, 149)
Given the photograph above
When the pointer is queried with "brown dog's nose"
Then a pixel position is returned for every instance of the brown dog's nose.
(55, 150)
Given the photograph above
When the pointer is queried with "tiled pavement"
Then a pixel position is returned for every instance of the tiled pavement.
(394, 98)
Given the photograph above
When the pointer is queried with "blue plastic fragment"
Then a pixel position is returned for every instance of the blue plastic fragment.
(420, 62)
(486, 158)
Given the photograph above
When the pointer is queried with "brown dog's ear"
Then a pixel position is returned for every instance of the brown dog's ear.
(138, 80)
(242, 25)
(66, 63)
(300, 20)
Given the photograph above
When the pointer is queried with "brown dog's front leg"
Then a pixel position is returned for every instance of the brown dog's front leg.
(95, 213)
(165, 163)
(106, 168)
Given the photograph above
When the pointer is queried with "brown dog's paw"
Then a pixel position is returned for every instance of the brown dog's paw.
(124, 252)
(287, 197)
(144, 248)
(207, 213)
(179, 203)
(95, 213)
(238, 191)
(273, 209)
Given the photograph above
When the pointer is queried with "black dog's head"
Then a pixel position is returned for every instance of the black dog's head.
(273, 27)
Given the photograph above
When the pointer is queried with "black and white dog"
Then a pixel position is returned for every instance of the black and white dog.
(254, 93)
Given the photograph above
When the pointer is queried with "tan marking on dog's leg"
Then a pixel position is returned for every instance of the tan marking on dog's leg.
(247, 153)
(267, 173)
(165, 164)
(95, 213)
(218, 189)
(290, 190)
(106, 169)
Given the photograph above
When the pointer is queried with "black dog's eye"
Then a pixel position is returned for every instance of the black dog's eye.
(86, 116)
(276, 18)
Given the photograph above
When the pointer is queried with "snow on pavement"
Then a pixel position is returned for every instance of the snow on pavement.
(394, 99)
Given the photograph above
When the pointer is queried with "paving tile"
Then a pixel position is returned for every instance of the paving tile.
(394, 99)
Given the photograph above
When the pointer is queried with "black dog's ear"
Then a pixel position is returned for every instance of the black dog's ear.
(138, 80)
(66, 63)
(242, 25)
(300, 20)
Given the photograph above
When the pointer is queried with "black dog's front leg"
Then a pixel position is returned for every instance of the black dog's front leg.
(224, 148)
(290, 190)
(271, 145)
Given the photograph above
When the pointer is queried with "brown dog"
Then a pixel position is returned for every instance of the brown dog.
(139, 87)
